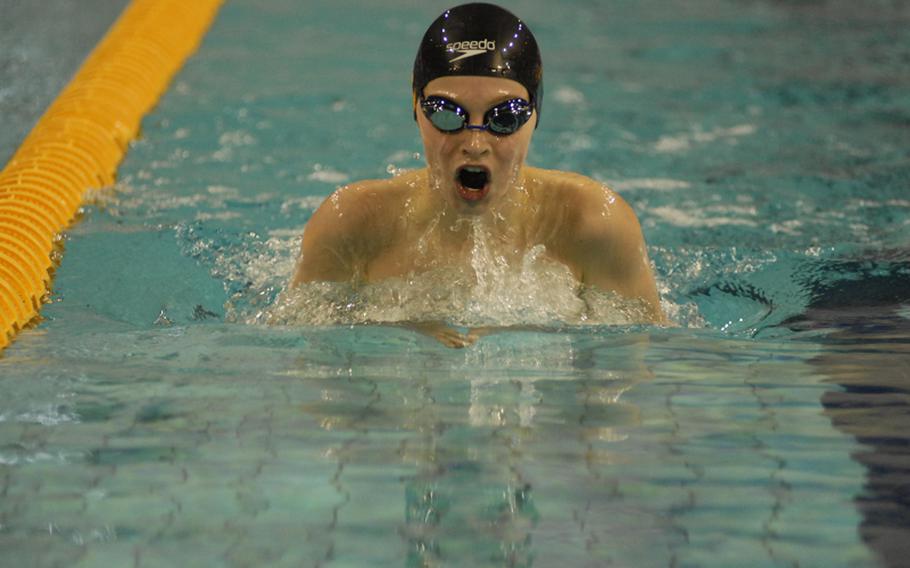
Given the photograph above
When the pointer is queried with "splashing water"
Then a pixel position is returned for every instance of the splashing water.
(490, 290)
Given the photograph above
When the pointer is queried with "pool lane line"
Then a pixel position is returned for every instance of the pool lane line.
(80, 140)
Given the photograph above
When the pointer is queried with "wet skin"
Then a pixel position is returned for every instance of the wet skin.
(376, 229)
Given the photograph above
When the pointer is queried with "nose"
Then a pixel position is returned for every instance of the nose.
(476, 143)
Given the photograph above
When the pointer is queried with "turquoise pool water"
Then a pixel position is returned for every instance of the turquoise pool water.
(151, 420)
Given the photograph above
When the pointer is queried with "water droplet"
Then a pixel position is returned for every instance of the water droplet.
(162, 319)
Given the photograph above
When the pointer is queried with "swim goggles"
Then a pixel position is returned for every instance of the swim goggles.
(503, 119)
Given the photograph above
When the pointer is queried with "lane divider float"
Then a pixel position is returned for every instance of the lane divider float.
(80, 140)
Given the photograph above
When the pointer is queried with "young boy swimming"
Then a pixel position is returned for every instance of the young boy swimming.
(477, 88)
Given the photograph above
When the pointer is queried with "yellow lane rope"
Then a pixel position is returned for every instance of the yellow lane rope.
(82, 137)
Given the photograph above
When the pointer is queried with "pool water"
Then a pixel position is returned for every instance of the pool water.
(167, 412)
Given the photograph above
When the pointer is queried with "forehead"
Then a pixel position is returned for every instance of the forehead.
(469, 88)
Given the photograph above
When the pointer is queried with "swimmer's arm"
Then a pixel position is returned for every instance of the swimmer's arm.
(330, 247)
(612, 255)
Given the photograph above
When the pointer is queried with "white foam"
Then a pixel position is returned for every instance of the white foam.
(789, 227)
(218, 216)
(670, 144)
(673, 144)
(50, 415)
(236, 138)
(748, 210)
(327, 175)
(36, 457)
(536, 290)
(402, 156)
(568, 96)
(309, 202)
(292, 233)
(223, 190)
(682, 218)
(575, 141)
(654, 184)
(228, 141)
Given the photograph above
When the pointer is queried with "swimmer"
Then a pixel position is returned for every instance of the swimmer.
(477, 93)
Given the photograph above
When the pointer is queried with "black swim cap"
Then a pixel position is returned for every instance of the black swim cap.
(480, 39)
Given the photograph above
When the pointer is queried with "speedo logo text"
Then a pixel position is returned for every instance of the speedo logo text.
(470, 48)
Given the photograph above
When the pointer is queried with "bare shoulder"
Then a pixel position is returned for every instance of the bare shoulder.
(351, 222)
(590, 205)
(364, 197)
(597, 235)
(357, 208)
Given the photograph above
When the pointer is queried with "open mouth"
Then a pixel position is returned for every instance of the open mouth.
(473, 182)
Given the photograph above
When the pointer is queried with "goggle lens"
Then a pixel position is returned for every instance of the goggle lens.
(508, 117)
(445, 115)
(503, 119)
